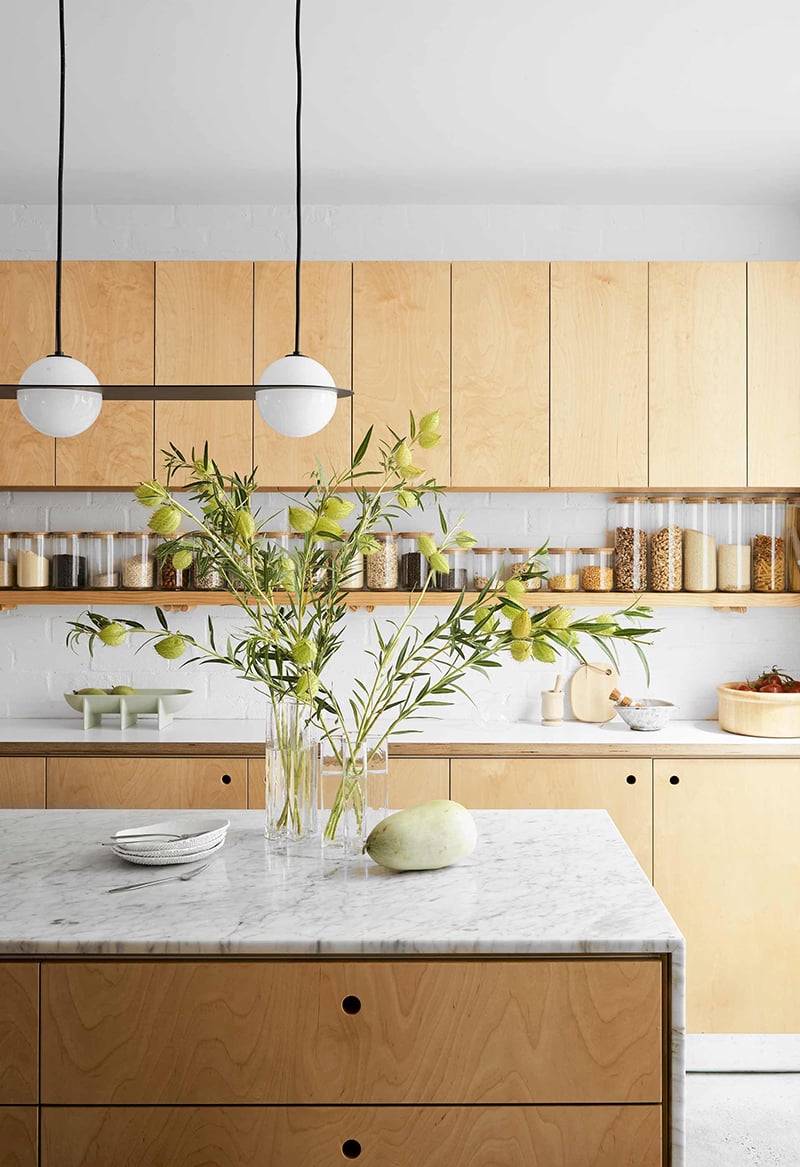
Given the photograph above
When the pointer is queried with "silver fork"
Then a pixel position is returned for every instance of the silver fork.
(164, 879)
(116, 839)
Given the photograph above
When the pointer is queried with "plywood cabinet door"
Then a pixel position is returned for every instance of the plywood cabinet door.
(401, 353)
(27, 333)
(598, 375)
(326, 335)
(698, 375)
(204, 336)
(725, 862)
(19, 1034)
(169, 783)
(108, 324)
(773, 377)
(500, 342)
(622, 786)
(22, 783)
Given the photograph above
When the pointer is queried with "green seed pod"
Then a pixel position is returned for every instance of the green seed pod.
(605, 618)
(565, 637)
(514, 588)
(307, 686)
(428, 440)
(466, 539)
(150, 494)
(402, 456)
(328, 529)
(439, 562)
(406, 499)
(521, 650)
(303, 651)
(113, 634)
(412, 471)
(427, 546)
(559, 618)
(337, 508)
(171, 647)
(521, 626)
(301, 520)
(165, 521)
(509, 611)
(181, 560)
(367, 545)
(245, 526)
(429, 422)
(544, 652)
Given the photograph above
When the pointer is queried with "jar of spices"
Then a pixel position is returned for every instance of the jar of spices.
(412, 564)
(734, 562)
(699, 545)
(769, 545)
(630, 544)
(793, 542)
(68, 566)
(138, 561)
(458, 575)
(488, 567)
(101, 552)
(382, 573)
(597, 569)
(563, 575)
(170, 577)
(8, 559)
(33, 559)
(666, 544)
(205, 576)
(523, 559)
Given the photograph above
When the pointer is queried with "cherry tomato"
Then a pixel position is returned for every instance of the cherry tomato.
(794, 687)
(776, 688)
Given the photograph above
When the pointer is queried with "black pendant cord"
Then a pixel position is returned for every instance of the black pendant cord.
(298, 213)
(60, 226)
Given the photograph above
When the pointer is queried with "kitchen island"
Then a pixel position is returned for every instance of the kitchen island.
(295, 1007)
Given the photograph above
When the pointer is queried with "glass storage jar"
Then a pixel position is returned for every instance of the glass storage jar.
(597, 569)
(563, 575)
(699, 544)
(382, 564)
(33, 559)
(137, 559)
(170, 577)
(412, 564)
(205, 576)
(285, 542)
(734, 561)
(488, 567)
(351, 580)
(666, 544)
(459, 573)
(68, 566)
(522, 559)
(630, 543)
(101, 552)
(769, 545)
(793, 542)
(8, 559)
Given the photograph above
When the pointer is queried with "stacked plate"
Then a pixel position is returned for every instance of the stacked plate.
(174, 841)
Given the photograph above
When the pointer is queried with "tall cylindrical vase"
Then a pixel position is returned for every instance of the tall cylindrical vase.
(355, 789)
(291, 773)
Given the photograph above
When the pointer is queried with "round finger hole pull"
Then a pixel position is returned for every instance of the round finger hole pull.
(351, 1005)
(674, 780)
(631, 779)
(226, 779)
(351, 1148)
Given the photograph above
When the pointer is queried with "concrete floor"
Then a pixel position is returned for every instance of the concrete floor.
(743, 1120)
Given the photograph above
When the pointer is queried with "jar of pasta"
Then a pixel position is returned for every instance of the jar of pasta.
(769, 545)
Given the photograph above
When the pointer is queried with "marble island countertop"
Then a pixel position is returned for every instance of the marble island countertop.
(444, 737)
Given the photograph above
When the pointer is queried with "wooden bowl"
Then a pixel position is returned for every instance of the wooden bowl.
(758, 714)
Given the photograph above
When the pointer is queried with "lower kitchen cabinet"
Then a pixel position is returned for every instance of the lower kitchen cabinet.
(411, 780)
(726, 863)
(622, 786)
(19, 1137)
(19, 1035)
(159, 782)
(22, 783)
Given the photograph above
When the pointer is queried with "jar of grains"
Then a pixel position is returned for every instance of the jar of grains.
(793, 542)
(733, 545)
(630, 544)
(350, 579)
(412, 564)
(597, 569)
(458, 575)
(68, 566)
(205, 576)
(769, 545)
(666, 545)
(563, 575)
(699, 545)
(137, 560)
(101, 552)
(488, 567)
(382, 563)
(170, 577)
(8, 559)
(520, 561)
(33, 559)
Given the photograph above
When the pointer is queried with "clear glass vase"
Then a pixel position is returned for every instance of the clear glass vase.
(355, 788)
(291, 773)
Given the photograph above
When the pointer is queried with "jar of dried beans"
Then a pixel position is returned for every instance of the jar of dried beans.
(666, 544)
(170, 577)
(769, 545)
(630, 544)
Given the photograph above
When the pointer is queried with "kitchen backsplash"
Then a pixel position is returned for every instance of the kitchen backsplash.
(697, 648)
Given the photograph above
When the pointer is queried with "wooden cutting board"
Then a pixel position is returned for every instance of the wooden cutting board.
(589, 689)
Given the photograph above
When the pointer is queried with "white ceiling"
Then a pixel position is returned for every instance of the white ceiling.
(413, 101)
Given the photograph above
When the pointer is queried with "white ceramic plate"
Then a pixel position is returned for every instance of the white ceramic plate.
(203, 832)
(167, 860)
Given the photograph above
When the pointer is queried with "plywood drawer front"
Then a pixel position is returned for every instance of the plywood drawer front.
(19, 1136)
(497, 1136)
(22, 783)
(169, 783)
(437, 1032)
(19, 1033)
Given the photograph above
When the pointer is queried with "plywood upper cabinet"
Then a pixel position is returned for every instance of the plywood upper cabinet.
(598, 375)
(326, 335)
(27, 331)
(500, 339)
(108, 324)
(401, 352)
(204, 336)
(773, 379)
(698, 375)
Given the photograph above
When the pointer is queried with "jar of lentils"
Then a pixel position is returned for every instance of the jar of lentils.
(597, 569)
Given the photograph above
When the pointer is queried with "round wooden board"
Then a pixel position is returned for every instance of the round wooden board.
(589, 689)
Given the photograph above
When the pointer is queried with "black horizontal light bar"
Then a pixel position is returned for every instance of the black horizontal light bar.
(173, 392)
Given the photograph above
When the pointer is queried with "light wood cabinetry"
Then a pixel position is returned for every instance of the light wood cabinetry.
(622, 786)
(22, 783)
(19, 1136)
(401, 352)
(725, 864)
(170, 783)
(773, 375)
(204, 336)
(500, 342)
(598, 375)
(497, 1136)
(326, 335)
(108, 324)
(19, 1034)
(27, 330)
(698, 375)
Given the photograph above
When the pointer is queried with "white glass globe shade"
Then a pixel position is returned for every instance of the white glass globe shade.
(298, 403)
(69, 404)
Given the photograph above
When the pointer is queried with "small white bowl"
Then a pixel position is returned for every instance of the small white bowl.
(646, 715)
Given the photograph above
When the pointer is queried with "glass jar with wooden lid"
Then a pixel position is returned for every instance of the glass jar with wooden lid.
(563, 574)
(33, 559)
(734, 559)
(522, 560)
(382, 563)
(699, 544)
(597, 569)
(8, 559)
(769, 544)
(412, 565)
(68, 566)
(137, 560)
(101, 552)
(793, 542)
(666, 544)
(630, 543)
(488, 567)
